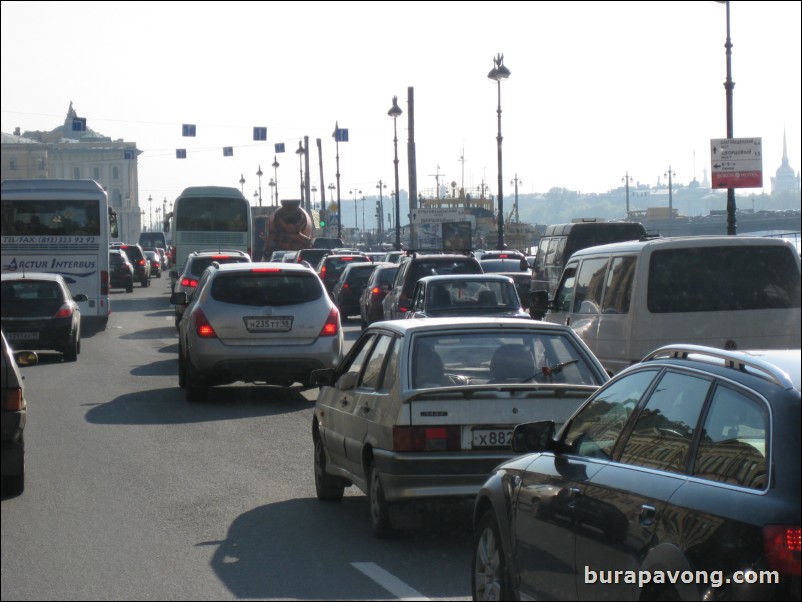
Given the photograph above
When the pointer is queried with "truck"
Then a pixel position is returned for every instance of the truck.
(288, 228)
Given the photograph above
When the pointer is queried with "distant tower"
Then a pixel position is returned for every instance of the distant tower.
(785, 179)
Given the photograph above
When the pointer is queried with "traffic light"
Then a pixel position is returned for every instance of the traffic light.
(322, 219)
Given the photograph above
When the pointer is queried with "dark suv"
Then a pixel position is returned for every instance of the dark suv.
(349, 287)
(121, 271)
(414, 267)
(141, 263)
(685, 464)
(331, 266)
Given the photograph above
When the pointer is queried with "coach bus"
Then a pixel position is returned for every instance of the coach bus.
(62, 227)
(209, 218)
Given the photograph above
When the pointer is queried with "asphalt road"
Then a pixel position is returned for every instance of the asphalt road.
(133, 493)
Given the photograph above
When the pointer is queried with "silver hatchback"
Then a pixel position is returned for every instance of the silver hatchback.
(262, 323)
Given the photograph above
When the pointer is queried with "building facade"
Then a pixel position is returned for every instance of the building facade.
(73, 151)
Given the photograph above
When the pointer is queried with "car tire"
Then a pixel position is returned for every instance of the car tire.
(14, 484)
(489, 580)
(129, 288)
(379, 508)
(326, 485)
(196, 390)
(71, 353)
(182, 370)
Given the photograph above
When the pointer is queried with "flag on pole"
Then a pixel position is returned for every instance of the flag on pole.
(279, 147)
(180, 153)
(260, 133)
(188, 129)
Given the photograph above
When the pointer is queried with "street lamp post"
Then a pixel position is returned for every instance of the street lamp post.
(301, 152)
(670, 175)
(255, 197)
(356, 215)
(728, 87)
(275, 178)
(272, 184)
(259, 174)
(626, 180)
(516, 181)
(314, 195)
(164, 212)
(381, 185)
(150, 211)
(395, 112)
(498, 73)
(242, 183)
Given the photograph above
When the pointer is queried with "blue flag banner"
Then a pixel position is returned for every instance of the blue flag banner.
(79, 124)
(259, 133)
(228, 151)
(180, 153)
(341, 135)
(188, 129)
(279, 147)
(128, 154)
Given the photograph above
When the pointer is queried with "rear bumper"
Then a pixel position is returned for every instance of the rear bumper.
(12, 450)
(411, 476)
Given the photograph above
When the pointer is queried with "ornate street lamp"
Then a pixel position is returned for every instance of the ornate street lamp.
(275, 178)
(626, 180)
(670, 174)
(498, 73)
(259, 174)
(395, 113)
(272, 184)
(516, 180)
(242, 183)
(356, 215)
(728, 86)
(150, 213)
(301, 152)
(381, 185)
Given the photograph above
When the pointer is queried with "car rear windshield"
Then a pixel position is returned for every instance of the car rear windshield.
(723, 279)
(201, 263)
(266, 288)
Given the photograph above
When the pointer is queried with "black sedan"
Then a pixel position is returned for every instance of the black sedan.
(39, 312)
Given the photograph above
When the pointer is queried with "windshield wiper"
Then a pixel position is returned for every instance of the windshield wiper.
(549, 371)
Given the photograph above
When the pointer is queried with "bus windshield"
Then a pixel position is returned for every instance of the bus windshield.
(214, 214)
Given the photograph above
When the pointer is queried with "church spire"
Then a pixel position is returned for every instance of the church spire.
(785, 150)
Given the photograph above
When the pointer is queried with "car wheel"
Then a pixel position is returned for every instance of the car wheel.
(182, 370)
(71, 353)
(196, 390)
(129, 288)
(325, 485)
(14, 484)
(379, 508)
(489, 575)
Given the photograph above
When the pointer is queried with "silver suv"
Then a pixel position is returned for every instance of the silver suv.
(262, 323)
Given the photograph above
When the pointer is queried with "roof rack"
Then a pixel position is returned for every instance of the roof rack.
(737, 361)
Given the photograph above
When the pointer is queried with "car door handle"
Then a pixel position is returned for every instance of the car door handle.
(573, 496)
(647, 514)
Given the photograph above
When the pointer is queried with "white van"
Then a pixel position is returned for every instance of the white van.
(731, 292)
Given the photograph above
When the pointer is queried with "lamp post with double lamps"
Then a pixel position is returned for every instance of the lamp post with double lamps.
(242, 183)
(150, 212)
(498, 73)
(301, 152)
(395, 113)
(259, 174)
(275, 178)
(272, 184)
(728, 87)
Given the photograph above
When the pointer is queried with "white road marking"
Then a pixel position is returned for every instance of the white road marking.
(388, 581)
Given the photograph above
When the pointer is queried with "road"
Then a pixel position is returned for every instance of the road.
(133, 493)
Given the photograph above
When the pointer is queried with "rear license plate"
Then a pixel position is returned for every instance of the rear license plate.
(272, 324)
(22, 336)
(492, 438)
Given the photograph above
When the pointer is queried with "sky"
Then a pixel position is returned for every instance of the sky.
(597, 90)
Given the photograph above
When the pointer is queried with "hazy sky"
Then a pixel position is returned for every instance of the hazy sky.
(596, 89)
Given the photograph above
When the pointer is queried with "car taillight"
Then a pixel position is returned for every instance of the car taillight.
(65, 311)
(403, 303)
(331, 327)
(345, 285)
(781, 544)
(426, 438)
(190, 282)
(202, 326)
(323, 271)
(375, 291)
(13, 400)
(141, 262)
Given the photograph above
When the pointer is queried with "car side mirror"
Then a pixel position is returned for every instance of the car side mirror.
(80, 298)
(179, 298)
(533, 437)
(322, 377)
(174, 274)
(538, 304)
(347, 381)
